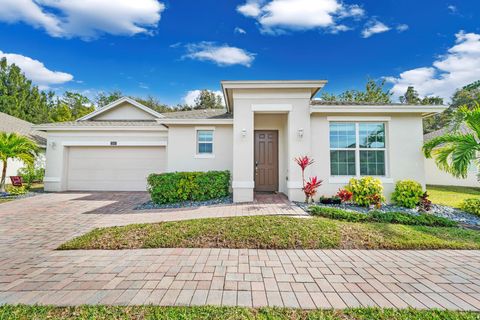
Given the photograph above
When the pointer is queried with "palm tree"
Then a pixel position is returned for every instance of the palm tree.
(455, 151)
(15, 146)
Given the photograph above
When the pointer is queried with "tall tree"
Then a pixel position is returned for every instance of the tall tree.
(15, 146)
(104, 98)
(468, 96)
(153, 103)
(208, 100)
(19, 97)
(455, 151)
(374, 93)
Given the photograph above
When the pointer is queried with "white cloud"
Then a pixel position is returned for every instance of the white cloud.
(239, 30)
(36, 70)
(222, 55)
(191, 95)
(452, 8)
(250, 9)
(374, 27)
(457, 68)
(402, 27)
(277, 16)
(86, 19)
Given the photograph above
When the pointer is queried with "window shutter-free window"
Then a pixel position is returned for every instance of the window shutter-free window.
(357, 148)
(205, 141)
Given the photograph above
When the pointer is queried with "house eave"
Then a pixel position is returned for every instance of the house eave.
(424, 111)
(227, 86)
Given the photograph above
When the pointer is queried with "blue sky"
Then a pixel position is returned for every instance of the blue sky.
(169, 48)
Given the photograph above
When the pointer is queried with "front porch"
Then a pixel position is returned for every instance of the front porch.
(271, 126)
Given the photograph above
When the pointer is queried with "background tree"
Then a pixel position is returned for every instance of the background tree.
(104, 98)
(18, 97)
(468, 96)
(208, 100)
(15, 146)
(374, 93)
(454, 152)
(153, 103)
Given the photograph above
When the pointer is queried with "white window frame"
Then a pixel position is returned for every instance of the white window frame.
(199, 155)
(357, 149)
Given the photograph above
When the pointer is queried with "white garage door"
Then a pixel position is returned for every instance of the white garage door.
(113, 168)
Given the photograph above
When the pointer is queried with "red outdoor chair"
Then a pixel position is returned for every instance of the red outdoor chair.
(16, 181)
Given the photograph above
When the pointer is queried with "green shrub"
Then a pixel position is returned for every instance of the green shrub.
(174, 187)
(407, 193)
(366, 191)
(16, 191)
(31, 174)
(383, 217)
(471, 205)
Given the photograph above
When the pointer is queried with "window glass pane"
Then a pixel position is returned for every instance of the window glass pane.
(205, 136)
(372, 135)
(342, 163)
(205, 147)
(342, 135)
(372, 163)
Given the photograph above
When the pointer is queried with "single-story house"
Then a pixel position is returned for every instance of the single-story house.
(435, 176)
(265, 125)
(11, 124)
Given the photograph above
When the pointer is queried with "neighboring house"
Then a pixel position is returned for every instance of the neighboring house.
(266, 125)
(435, 176)
(10, 124)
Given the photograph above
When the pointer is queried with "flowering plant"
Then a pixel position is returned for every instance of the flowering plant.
(309, 187)
(344, 195)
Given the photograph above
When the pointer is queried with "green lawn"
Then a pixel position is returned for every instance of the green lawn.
(450, 195)
(220, 313)
(275, 232)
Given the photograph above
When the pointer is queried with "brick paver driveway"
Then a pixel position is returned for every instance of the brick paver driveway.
(31, 271)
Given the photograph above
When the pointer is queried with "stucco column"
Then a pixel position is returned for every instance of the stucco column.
(243, 135)
(299, 144)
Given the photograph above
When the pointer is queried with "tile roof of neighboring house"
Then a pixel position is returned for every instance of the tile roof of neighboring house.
(429, 136)
(354, 103)
(9, 124)
(199, 114)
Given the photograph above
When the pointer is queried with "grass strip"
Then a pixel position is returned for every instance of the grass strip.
(275, 232)
(8, 312)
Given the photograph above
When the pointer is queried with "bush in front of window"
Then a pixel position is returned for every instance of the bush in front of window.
(407, 193)
(172, 187)
(366, 191)
(471, 205)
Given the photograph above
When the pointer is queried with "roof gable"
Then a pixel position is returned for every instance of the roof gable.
(123, 109)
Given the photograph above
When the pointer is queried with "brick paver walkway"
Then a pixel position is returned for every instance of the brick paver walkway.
(31, 271)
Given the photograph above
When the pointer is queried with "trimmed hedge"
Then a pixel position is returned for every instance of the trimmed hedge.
(384, 217)
(174, 187)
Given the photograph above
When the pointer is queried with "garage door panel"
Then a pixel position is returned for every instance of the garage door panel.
(113, 168)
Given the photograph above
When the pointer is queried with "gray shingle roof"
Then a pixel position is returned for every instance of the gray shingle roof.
(100, 123)
(10, 124)
(199, 114)
(429, 136)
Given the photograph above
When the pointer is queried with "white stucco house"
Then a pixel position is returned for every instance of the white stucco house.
(11, 124)
(265, 125)
(435, 176)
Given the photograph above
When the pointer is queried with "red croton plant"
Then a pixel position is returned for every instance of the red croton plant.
(309, 187)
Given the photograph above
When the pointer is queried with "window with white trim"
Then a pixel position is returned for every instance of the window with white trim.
(204, 142)
(357, 149)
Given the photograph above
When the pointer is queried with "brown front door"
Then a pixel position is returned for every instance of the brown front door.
(266, 160)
